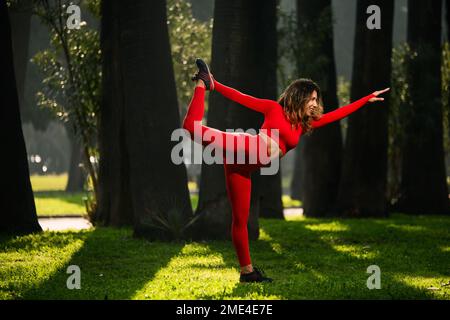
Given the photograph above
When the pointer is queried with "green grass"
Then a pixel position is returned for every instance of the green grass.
(308, 259)
(289, 202)
(48, 182)
(51, 199)
(53, 203)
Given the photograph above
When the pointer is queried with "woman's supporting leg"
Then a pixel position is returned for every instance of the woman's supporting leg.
(238, 184)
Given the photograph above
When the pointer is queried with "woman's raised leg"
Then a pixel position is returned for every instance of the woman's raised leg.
(238, 146)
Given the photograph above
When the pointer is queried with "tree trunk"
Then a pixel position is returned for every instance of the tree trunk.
(76, 175)
(423, 189)
(362, 191)
(271, 205)
(138, 180)
(20, 32)
(17, 208)
(237, 61)
(296, 186)
(321, 152)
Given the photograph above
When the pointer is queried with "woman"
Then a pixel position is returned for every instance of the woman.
(297, 111)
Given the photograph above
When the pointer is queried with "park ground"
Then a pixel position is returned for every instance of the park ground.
(307, 258)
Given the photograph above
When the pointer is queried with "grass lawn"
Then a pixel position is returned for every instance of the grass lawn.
(54, 203)
(308, 259)
(51, 199)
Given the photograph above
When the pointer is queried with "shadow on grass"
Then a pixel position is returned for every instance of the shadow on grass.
(328, 259)
(113, 265)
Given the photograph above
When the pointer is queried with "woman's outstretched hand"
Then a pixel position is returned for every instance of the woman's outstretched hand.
(377, 93)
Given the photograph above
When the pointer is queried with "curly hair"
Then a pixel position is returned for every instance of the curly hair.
(294, 100)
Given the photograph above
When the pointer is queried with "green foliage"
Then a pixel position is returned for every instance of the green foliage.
(189, 39)
(94, 7)
(343, 88)
(172, 222)
(402, 56)
(343, 95)
(72, 93)
(72, 79)
(330, 262)
(399, 97)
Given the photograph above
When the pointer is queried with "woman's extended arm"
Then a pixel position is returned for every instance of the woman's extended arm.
(341, 112)
(348, 109)
(260, 105)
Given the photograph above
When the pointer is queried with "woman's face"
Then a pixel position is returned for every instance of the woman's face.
(311, 104)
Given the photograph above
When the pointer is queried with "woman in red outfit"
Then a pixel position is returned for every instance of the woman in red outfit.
(298, 110)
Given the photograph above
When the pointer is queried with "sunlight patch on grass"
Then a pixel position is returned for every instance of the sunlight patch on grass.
(264, 236)
(62, 204)
(356, 251)
(195, 273)
(49, 182)
(406, 227)
(289, 202)
(277, 248)
(35, 258)
(295, 218)
(432, 284)
(330, 227)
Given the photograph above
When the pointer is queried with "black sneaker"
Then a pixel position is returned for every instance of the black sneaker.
(204, 74)
(257, 275)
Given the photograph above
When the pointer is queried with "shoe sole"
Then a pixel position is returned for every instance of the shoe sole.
(203, 66)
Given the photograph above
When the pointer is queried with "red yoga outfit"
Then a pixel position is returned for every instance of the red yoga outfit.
(238, 176)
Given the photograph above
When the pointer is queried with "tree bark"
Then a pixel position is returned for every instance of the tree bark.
(362, 190)
(320, 154)
(138, 180)
(17, 208)
(423, 188)
(271, 205)
(298, 174)
(20, 19)
(76, 175)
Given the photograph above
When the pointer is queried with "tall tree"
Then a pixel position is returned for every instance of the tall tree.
(318, 160)
(239, 51)
(265, 84)
(20, 17)
(139, 183)
(423, 187)
(362, 190)
(18, 211)
(296, 186)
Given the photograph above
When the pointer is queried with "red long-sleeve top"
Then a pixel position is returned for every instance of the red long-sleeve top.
(274, 117)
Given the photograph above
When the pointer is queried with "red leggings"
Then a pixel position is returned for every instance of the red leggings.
(237, 175)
